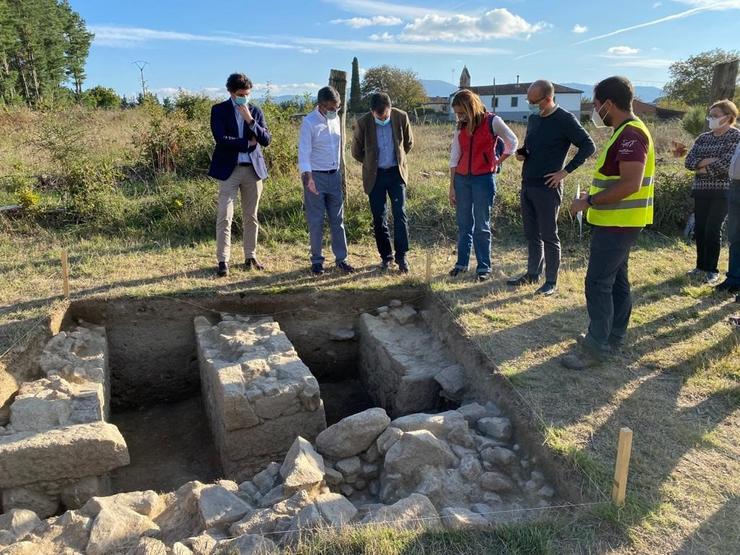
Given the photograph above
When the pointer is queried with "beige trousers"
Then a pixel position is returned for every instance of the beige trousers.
(244, 180)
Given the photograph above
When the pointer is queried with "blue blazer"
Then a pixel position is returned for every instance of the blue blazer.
(228, 144)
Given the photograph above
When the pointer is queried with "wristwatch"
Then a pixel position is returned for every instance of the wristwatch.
(590, 200)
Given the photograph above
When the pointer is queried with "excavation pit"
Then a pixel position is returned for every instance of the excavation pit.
(396, 349)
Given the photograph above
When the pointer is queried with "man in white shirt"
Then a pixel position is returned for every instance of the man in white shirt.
(319, 156)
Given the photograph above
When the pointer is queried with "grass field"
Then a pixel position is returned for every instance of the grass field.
(676, 384)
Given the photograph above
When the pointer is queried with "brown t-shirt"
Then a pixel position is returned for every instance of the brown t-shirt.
(631, 146)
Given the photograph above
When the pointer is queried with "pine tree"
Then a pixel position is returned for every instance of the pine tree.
(355, 95)
(78, 41)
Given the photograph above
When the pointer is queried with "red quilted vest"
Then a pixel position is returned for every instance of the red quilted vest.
(478, 156)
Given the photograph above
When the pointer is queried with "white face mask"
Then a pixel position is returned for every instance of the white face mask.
(715, 123)
(596, 118)
(331, 114)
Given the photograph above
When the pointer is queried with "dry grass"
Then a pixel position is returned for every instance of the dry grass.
(676, 384)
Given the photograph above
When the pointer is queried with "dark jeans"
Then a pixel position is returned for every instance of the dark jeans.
(608, 296)
(733, 232)
(474, 195)
(540, 209)
(709, 213)
(388, 184)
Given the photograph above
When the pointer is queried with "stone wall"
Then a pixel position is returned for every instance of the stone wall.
(258, 394)
(57, 448)
(402, 366)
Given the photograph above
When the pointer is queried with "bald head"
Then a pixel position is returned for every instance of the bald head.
(543, 88)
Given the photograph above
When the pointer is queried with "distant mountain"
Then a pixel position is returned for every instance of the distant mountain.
(435, 87)
(646, 94)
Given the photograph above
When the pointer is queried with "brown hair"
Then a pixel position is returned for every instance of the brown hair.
(474, 108)
(237, 82)
(728, 108)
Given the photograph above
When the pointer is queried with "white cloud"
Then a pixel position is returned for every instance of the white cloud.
(391, 46)
(623, 51)
(648, 63)
(385, 37)
(377, 21)
(258, 90)
(579, 29)
(699, 7)
(657, 4)
(494, 24)
(397, 9)
(107, 35)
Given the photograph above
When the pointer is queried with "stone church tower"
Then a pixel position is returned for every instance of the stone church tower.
(465, 78)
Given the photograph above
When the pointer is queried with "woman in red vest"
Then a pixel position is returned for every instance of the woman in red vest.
(473, 164)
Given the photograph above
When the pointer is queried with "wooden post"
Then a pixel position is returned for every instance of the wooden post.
(338, 80)
(621, 469)
(724, 80)
(65, 274)
(429, 267)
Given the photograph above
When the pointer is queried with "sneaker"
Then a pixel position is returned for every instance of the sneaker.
(252, 263)
(695, 273)
(483, 277)
(457, 271)
(345, 267)
(223, 269)
(317, 269)
(384, 265)
(526, 279)
(547, 289)
(711, 277)
(728, 287)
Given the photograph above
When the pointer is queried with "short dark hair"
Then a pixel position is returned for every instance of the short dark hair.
(237, 82)
(328, 94)
(379, 101)
(617, 89)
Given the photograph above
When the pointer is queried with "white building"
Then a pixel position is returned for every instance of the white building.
(509, 100)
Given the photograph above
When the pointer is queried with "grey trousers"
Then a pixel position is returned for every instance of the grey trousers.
(608, 295)
(540, 209)
(329, 201)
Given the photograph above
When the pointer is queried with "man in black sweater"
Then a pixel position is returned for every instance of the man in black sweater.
(551, 131)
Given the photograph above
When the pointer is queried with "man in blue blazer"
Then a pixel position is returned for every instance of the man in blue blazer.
(240, 132)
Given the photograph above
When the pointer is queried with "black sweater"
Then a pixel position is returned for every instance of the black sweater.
(547, 142)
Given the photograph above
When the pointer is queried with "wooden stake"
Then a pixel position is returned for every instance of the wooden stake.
(429, 267)
(338, 80)
(621, 469)
(65, 274)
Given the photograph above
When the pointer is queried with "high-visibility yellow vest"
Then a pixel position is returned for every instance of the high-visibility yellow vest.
(635, 210)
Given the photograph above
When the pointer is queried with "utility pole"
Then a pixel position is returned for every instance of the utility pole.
(141, 64)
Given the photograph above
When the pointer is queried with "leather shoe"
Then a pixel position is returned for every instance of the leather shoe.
(223, 269)
(526, 279)
(253, 263)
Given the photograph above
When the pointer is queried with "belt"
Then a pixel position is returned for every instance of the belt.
(324, 171)
(392, 168)
(245, 163)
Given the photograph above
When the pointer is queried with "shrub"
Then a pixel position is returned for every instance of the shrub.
(282, 154)
(694, 122)
(194, 106)
(673, 202)
(172, 143)
(89, 191)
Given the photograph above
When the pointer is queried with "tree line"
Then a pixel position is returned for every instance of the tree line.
(43, 46)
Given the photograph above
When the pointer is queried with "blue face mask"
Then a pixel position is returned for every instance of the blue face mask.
(534, 109)
(240, 100)
(382, 122)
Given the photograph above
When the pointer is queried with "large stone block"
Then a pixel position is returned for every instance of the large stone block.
(259, 395)
(353, 434)
(399, 360)
(54, 402)
(63, 453)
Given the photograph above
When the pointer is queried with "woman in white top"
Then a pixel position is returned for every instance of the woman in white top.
(473, 164)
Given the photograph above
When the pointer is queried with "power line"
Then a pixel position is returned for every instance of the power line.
(141, 64)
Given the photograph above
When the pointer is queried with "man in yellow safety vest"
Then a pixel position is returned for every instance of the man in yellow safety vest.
(619, 205)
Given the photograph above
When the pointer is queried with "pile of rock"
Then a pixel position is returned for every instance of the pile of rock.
(457, 469)
(57, 447)
(402, 366)
(258, 394)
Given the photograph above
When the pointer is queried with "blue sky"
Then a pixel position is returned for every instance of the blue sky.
(292, 44)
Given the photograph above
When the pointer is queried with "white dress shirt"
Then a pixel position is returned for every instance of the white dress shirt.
(319, 143)
(499, 128)
(244, 157)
